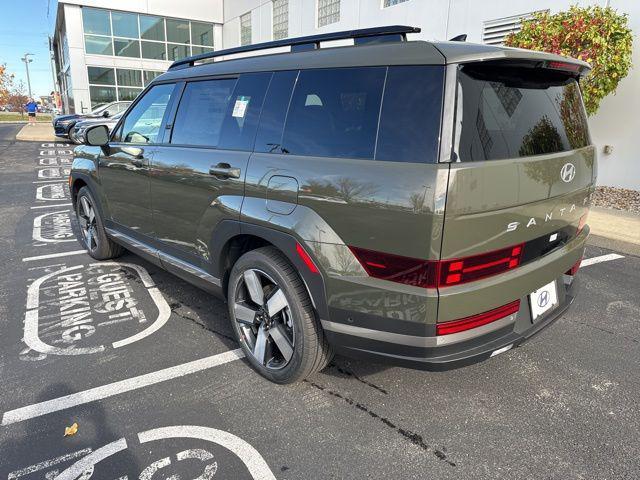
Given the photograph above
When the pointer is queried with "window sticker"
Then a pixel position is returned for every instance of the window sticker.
(240, 107)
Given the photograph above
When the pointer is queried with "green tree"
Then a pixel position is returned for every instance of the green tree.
(597, 35)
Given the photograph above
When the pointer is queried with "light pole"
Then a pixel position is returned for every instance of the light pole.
(27, 61)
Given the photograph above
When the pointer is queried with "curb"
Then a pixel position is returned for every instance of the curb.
(38, 133)
(615, 225)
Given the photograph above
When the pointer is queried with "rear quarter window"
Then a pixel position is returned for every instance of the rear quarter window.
(411, 113)
(334, 113)
(513, 112)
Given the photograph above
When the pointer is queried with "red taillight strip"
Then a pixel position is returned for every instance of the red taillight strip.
(574, 269)
(462, 270)
(437, 274)
(475, 321)
(306, 259)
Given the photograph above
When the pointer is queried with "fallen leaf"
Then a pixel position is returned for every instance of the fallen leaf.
(72, 430)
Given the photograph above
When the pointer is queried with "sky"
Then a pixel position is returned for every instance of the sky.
(24, 27)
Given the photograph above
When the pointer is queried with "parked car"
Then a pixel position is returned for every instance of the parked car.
(420, 203)
(62, 124)
(76, 134)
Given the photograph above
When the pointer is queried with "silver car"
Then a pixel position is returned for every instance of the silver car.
(78, 130)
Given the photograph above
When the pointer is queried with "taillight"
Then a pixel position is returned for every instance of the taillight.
(582, 222)
(475, 321)
(573, 270)
(462, 270)
(433, 274)
(396, 268)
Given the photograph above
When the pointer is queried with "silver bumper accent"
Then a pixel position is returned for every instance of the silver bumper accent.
(415, 340)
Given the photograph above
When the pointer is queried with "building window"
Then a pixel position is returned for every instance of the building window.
(98, 45)
(125, 25)
(245, 29)
(494, 32)
(154, 50)
(149, 75)
(202, 33)
(328, 12)
(152, 28)
(124, 34)
(280, 19)
(96, 21)
(177, 31)
(390, 3)
(108, 84)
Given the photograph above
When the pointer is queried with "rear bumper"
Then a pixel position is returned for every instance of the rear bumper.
(508, 335)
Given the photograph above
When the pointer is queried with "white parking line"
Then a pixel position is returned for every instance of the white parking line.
(602, 258)
(48, 464)
(115, 388)
(53, 255)
(52, 206)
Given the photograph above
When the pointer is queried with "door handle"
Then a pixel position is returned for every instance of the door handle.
(224, 170)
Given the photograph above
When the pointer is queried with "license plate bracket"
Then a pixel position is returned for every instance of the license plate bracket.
(543, 300)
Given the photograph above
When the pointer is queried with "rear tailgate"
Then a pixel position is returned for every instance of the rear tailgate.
(525, 175)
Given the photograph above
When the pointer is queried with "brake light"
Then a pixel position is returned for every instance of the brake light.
(475, 321)
(573, 270)
(433, 274)
(570, 67)
(462, 270)
(396, 268)
(306, 259)
(582, 223)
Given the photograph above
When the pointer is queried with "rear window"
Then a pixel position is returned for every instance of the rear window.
(509, 112)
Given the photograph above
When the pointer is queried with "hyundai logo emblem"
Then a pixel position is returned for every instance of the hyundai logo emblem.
(543, 299)
(567, 172)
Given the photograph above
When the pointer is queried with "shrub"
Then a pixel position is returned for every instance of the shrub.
(597, 35)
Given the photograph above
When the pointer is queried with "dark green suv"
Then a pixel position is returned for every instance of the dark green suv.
(402, 201)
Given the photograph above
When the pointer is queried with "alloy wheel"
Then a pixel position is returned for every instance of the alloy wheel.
(263, 315)
(87, 220)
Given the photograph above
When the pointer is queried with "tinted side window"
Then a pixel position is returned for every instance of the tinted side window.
(243, 112)
(142, 124)
(334, 112)
(201, 112)
(274, 112)
(411, 112)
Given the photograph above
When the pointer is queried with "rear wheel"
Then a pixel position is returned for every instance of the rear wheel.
(273, 317)
(92, 233)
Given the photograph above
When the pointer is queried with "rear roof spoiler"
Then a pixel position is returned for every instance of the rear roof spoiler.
(366, 35)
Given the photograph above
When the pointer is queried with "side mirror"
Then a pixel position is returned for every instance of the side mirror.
(97, 136)
(106, 114)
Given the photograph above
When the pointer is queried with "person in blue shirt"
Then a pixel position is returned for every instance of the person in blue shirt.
(31, 108)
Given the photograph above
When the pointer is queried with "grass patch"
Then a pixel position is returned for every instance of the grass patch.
(16, 117)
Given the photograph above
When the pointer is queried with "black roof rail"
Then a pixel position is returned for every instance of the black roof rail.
(312, 42)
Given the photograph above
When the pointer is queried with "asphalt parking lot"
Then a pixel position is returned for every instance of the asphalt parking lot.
(159, 390)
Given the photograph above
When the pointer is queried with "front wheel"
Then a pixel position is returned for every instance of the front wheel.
(273, 317)
(92, 232)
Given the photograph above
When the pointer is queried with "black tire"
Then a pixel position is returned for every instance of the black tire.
(311, 351)
(98, 245)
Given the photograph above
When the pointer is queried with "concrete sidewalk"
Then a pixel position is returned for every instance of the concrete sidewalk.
(615, 229)
(40, 132)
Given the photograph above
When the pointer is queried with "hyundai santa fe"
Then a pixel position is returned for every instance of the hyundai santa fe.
(420, 203)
